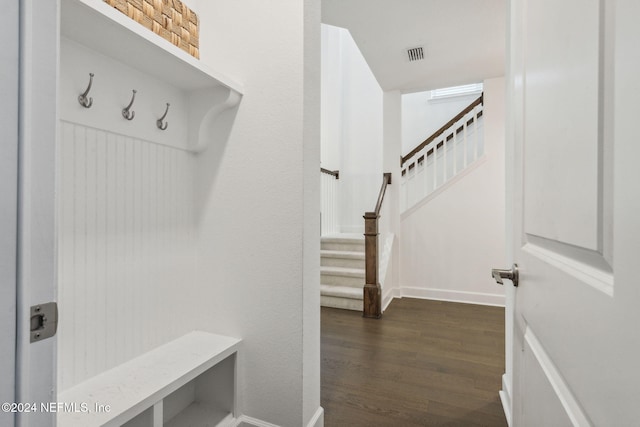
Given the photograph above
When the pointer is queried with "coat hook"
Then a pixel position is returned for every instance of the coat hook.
(129, 115)
(163, 126)
(82, 98)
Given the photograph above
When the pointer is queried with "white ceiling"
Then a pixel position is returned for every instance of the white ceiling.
(464, 40)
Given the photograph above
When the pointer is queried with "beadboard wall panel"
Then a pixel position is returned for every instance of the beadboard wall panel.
(126, 249)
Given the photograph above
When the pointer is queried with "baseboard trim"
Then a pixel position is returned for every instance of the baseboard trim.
(466, 297)
(318, 418)
(245, 421)
(505, 398)
(388, 295)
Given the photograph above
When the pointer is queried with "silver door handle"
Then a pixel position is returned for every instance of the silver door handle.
(506, 274)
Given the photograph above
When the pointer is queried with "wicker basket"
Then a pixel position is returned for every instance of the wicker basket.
(170, 19)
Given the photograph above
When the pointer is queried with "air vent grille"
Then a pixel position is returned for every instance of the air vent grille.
(415, 54)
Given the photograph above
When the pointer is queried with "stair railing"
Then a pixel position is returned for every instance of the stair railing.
(372, 292)
(440, 157)
(329, 201)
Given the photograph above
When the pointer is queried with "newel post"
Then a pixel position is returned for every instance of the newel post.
(372, 304)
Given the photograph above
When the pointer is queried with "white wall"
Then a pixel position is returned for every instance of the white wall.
(390, 216)
(351, 126)
(312, 413)
(258, 222)
(450, 242)
(421, 117)
(331, 95)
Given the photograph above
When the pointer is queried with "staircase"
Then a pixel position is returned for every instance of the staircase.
(342, 271)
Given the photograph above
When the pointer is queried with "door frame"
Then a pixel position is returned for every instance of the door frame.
(36, 247)
(9, 61)
(511, 177)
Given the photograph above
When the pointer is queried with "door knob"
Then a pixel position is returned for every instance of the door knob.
(506, 274)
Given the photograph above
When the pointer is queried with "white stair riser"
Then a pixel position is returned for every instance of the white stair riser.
(342, 289)
(343, 303)
(343, 246)
(341, 262)
(330, 279)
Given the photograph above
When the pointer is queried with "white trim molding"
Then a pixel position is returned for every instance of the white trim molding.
(505, 398)
(480, 298)
(318, 418)
(563, 392)
(388, 295)
(245, 421)
(453, 91)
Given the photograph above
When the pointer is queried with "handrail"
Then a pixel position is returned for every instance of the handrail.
(442, 130)
(335, 173)
(372, 292)
(386, 180)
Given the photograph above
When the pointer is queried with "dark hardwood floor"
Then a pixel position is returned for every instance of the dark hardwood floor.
(425, 363)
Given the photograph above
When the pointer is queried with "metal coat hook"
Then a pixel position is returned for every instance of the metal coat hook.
(129, 115)
(163, 126)
(85, 101)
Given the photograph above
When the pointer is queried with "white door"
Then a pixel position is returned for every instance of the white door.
(575, 92)
(35, 370)
(8, 206)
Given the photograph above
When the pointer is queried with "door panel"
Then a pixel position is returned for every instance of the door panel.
(561, 112)
(576, 235)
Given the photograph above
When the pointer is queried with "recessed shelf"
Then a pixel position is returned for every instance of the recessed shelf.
(194, 414)
(145, 419)
(104, 29)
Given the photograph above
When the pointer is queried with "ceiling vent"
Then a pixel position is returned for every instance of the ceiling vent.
(415, 54)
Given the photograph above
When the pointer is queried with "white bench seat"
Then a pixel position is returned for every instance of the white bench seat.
(141, 385)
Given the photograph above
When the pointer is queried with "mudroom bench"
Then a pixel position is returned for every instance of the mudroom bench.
(188, 381)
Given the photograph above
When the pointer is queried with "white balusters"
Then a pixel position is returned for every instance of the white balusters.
(459, 149)
(480, 133)
(411, 178)
(439, 164)
(430, 173)
(442, 159)
(449, 157)
(403, 189)
(329, 203)
(420, 173)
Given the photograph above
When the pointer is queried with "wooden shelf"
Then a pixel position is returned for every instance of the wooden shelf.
(104, 29)
(135, 386)
(108, 33)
